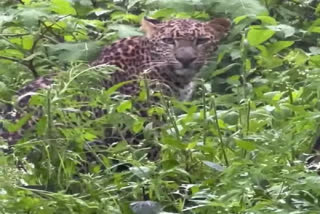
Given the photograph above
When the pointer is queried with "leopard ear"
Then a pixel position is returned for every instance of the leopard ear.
(149, 26)
(220, 26)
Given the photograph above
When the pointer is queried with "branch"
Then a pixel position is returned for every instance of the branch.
(15, 35)
(11, 59)
(28, 65)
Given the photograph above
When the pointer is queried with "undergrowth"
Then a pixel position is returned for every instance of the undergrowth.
(238, 147)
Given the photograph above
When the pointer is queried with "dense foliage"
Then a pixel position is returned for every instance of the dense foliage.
(238, 147)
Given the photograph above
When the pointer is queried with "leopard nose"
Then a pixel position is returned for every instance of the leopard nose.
(186, 61)
(186, 55)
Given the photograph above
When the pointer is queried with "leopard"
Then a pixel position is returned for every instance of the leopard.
(170, 56)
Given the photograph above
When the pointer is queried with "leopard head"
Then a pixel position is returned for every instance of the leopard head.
(184, 45)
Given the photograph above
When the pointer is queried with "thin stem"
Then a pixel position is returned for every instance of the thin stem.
(171, 117)
(204, 114)
(248, 116)
(244, 56)
(49, 132)
(219, 132)
(290, 95)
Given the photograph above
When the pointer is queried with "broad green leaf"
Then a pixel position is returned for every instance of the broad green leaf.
(125, 105)
(246, 145)
(314, 29)
(174, 142)
(318, 9)
(297, 56)
(239, 7)
(41, 125)
(26, 1)
(156, 110)
(12, 53)
(267, 20)
(132, 3)
(13, 127)
(278, 46)
(137, 125)
(238, 19)
(214, 166)
(169, 164)
(287, 30)
(62, 7)
(315, 50)
(315, 60)
(114, 88)
(141, 172)
(257, 36)
(26, 42)
(273, 95)
(269, 61)
(224, 70)
(30, 17)
(89, 136)
(166, 12)
(185, 6)
(6, 18)
(70, 52)
(125, 30)
(61, 25)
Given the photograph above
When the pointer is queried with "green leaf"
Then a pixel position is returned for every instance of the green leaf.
(246, 145)
(132, 3)
(62, 7)
(114, 88)
(169, 164)
(6, 18)
(297, 56)
(41, 125)
(70, 52)
(89, 136)
(163, 13)
(214, 166)
(278, 46)
(267, 20)
(26, 42)
(239, 7)
(26, 1)
(257, 36)
(125, 105)
(30, 17)
(137, 125)
(141, 172)
(125, 30)
(12, 53)
(287, 30)
(315, 60)
(13, 127)
(174, 142)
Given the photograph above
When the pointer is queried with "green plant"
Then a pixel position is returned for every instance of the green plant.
(238, 147)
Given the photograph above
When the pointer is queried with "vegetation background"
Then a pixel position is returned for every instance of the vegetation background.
(238, 147)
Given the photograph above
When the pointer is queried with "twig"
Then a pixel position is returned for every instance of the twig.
(11, 59)
(219, 131)
(26, 64)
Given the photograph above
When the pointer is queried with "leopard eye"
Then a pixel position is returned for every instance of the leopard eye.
(168, 41)
(201, 41)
